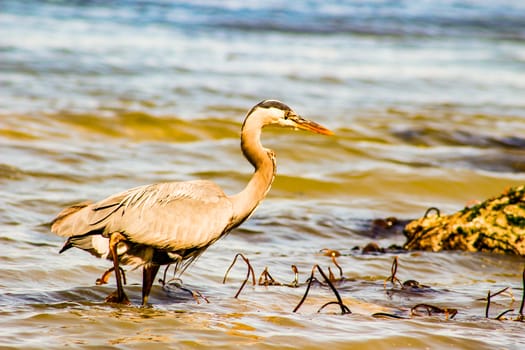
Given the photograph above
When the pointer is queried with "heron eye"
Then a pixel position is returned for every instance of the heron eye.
(286, 115)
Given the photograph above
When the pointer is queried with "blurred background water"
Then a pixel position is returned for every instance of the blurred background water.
(427, 102)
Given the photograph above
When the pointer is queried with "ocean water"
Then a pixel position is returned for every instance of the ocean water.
(426, 100)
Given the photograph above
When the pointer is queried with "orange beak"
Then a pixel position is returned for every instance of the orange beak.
(308, 125)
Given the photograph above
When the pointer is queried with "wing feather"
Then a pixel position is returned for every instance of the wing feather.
(171, 216)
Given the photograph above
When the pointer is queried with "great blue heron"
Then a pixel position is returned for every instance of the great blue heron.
(174, 222)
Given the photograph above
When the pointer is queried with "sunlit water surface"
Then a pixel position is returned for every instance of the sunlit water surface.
(427, 103)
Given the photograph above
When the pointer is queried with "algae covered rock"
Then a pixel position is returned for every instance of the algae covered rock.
(495, 225)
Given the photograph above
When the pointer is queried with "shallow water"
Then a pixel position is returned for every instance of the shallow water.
(426, 101)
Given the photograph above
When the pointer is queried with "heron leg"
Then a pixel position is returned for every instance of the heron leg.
(118, 296)
(148, 276)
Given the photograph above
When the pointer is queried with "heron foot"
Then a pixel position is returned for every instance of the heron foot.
(105, 276)
(115, 297)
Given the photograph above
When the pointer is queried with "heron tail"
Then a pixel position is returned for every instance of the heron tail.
(65, 222)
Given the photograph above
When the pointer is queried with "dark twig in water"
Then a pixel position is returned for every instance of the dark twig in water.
(344, 308)
(430, 309)
(521, 317)
(337, 303)
(490, 296)
(305, 293)
(338, 266)
(503, 313)
(392, 278)
(488, 305)
(250, 271)
(177, 283)
(267, 280)
(164, 275)
(105, 276)
(333, 254)
(429, 210)
(331, 275)
(387, 315)
(408, 284)
(313, 279)
(503, 291)
(295, 282)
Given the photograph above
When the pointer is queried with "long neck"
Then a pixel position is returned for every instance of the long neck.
(263, 160)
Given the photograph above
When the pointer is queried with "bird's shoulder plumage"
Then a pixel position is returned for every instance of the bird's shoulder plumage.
(169, 216)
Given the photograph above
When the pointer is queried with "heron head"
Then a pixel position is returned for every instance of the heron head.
(278, 113)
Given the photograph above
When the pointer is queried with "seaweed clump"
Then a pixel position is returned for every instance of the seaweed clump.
(496, 225)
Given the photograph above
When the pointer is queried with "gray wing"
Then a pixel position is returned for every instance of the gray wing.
(171, 216)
